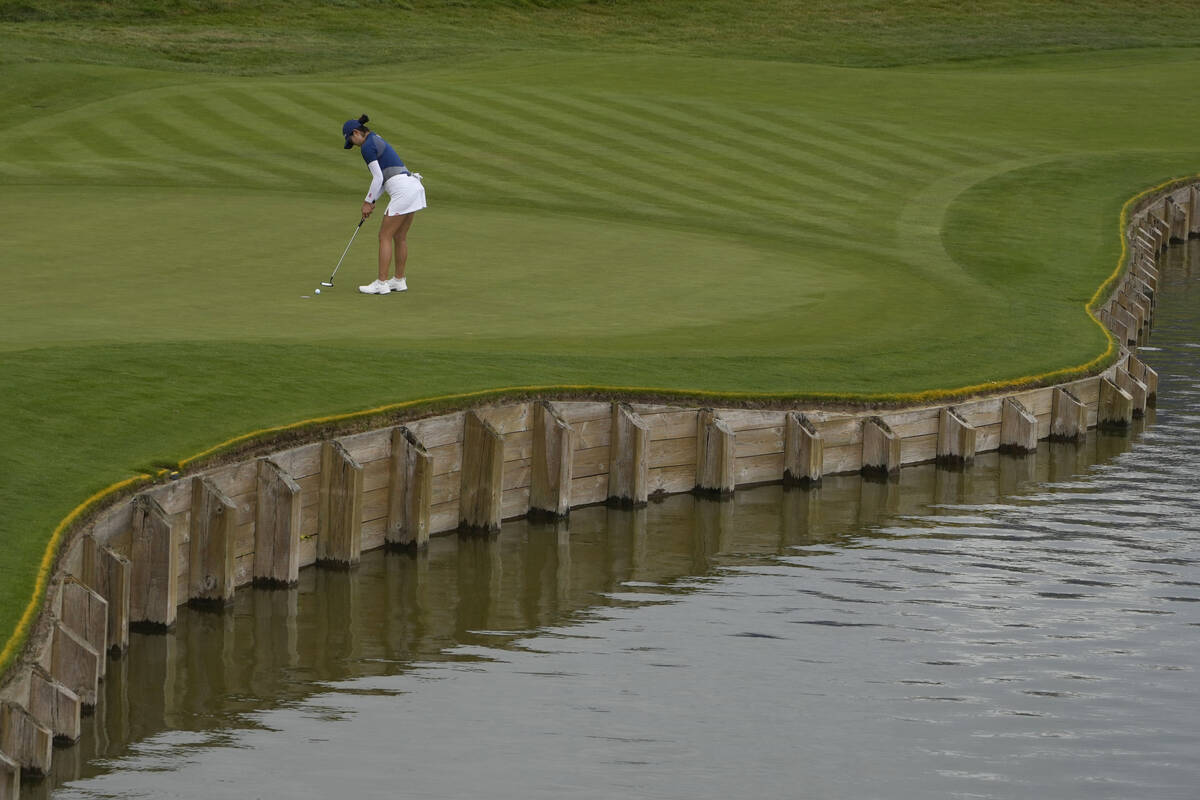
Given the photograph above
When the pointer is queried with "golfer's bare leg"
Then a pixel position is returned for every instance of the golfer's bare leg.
(387, 244)
(401, 243)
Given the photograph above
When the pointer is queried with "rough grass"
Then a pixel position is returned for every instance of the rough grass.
(670, 195)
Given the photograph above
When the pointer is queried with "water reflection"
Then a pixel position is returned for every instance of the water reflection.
(1019, 628)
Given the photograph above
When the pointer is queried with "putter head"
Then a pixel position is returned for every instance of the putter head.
(327, 283)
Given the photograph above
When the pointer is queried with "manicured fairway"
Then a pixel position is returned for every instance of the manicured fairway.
(633, 220)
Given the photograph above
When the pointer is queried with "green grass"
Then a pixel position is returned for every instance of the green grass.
(854, 198)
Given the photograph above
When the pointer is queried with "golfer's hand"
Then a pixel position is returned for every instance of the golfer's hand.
(367, 209)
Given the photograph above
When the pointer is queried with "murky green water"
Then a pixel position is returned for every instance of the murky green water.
(1028, 628)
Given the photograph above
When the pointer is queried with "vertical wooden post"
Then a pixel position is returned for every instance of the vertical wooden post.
(553, 457)
(75, 664)
(339, 542)
(1018, 428)
(154, 557)
(880, 448)
(411, 494)
(628, 458)
(54, 706)
(803, 451)
(715, 449)
(211, 546)
(1068, 417)
(86, 614)
(1116, 406)
(482, 478)
(1136, 390)
(956, 439)
(10, 778)
(108, 574)
(1142, 371)
(27, 743)
(277, 516)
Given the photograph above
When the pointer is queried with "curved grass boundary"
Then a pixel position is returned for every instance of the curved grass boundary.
(20, 635)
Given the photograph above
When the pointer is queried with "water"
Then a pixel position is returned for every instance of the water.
(1027, 628)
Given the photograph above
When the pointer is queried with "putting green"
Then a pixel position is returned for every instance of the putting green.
(640, 220)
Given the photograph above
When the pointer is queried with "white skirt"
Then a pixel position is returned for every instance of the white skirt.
(405, 195)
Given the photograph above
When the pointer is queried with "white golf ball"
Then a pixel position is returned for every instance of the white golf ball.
(318, 291)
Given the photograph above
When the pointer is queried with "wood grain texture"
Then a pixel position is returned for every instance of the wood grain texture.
(1018, 428)
(54, 706)
(482, 477)
(75, 664)
(1115, 409)
(1068, 416)
(956, 441)
(86, 613)
(552, 462)
(277, 521)
(339, 541)
(24, 740)
(629, 458)
(880, 448)
(154, 559)
(411, 491)
(211, 542)
(803, 451)
(715, 455)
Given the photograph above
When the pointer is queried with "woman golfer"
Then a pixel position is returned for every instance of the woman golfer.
(406, 196)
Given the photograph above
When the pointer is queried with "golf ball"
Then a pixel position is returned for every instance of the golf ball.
(318, 291)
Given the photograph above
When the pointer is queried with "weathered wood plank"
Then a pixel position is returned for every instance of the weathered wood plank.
(108, 574)
(1137, 390)
(154, 560)
(85, 612)
(340, 539)
(672, 452)
(1116, 406)
(507, 419)
(880, 448)
(803, 451)
(411, 491)
(10, 778)
(715, 459)
(1142, 371)
(552, 462)
(277, 523)
(368, 446)
(629, 458)
(482, 477)
(956, 440)
(26, 742)
(1068, 416)
(54, 706)
(211, 544)
(75, 664)
(1018, 428)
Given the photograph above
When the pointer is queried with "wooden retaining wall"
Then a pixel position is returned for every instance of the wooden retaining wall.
(197, 538)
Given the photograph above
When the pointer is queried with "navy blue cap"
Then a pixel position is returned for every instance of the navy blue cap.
(350, 126)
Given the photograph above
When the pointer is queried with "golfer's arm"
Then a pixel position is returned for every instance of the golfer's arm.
(376, 182)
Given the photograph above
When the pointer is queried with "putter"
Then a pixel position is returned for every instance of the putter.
(347, 250)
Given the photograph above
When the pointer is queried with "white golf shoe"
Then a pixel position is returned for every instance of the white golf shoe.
(376, 287)
(398, 284)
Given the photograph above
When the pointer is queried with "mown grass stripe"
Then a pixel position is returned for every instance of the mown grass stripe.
(772, 142)
(217, 120)
(821, 178)
(543, 165)
(728, 144)
(621, 150)
(673, 191)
